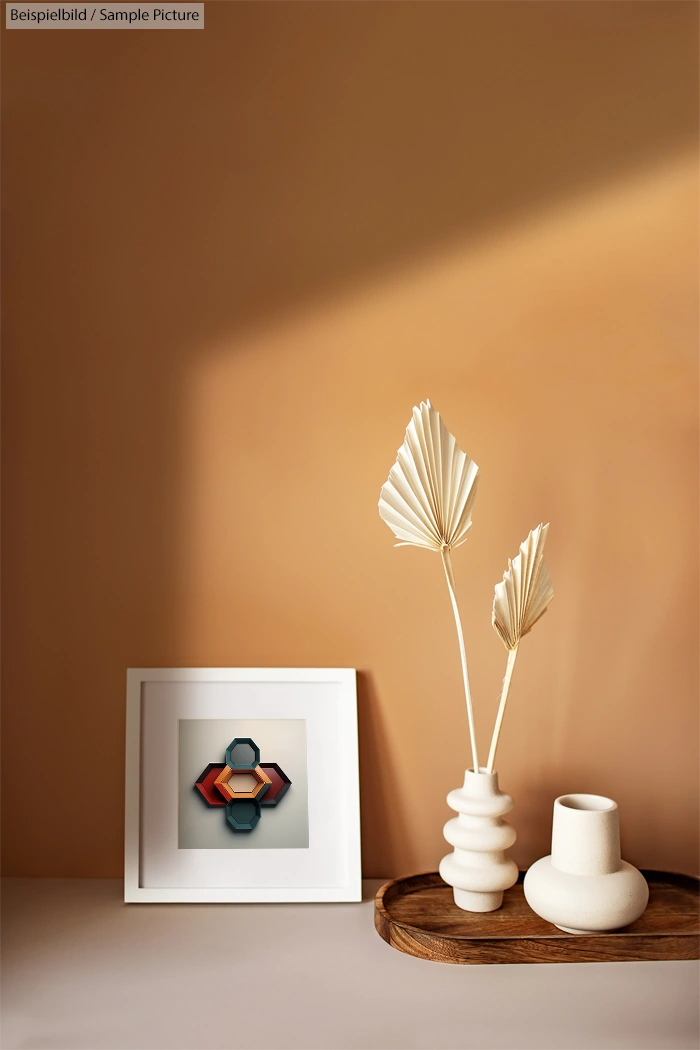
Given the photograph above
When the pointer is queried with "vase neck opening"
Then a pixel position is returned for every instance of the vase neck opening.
(586, 835)
(482, 783)
(587, 803)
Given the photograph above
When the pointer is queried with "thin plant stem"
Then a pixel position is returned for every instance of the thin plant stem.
(512, 653)
(447, 563)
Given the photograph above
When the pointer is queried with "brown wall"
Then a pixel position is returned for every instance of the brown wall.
(233, 261)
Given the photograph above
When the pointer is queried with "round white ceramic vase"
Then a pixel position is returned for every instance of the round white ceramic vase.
(478, 869)
(585, 886)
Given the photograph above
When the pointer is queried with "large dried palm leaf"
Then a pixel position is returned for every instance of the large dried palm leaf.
(520, 600)
(427, 502)
(428, 499)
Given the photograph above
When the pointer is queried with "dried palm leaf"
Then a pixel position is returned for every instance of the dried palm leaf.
(525, 592)
(520, 600)
(428, 499)
(427, 502)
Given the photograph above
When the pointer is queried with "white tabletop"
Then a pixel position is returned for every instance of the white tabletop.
(83, 970)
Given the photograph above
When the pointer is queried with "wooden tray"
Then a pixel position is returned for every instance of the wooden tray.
(417, 915)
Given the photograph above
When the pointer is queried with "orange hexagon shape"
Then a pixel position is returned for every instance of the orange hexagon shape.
(230, 783)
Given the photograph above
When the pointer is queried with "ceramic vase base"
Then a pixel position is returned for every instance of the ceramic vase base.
(589, 933)
(469, 900)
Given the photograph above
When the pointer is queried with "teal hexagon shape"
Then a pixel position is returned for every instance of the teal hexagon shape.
(242, 814)
(242, 753)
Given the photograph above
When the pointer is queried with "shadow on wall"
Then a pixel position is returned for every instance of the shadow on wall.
(162, 190)
(385, 827)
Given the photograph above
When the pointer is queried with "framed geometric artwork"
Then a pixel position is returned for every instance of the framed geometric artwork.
(242, 785)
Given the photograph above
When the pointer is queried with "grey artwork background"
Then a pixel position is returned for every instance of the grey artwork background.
(281, 740)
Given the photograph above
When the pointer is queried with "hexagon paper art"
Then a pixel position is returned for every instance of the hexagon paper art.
(243, 784)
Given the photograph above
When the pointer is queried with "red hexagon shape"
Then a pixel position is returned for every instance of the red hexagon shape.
(205, 784)
(279, 785)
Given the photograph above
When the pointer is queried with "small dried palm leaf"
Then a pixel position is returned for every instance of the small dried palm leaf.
(525, 592)
(428, 499)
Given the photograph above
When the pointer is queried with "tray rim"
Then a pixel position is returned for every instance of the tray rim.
(555, 934)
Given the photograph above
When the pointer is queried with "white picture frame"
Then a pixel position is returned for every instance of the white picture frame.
(157, 869)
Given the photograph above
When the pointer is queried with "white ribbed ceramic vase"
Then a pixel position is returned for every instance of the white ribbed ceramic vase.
(585, 886)
(478, 869)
